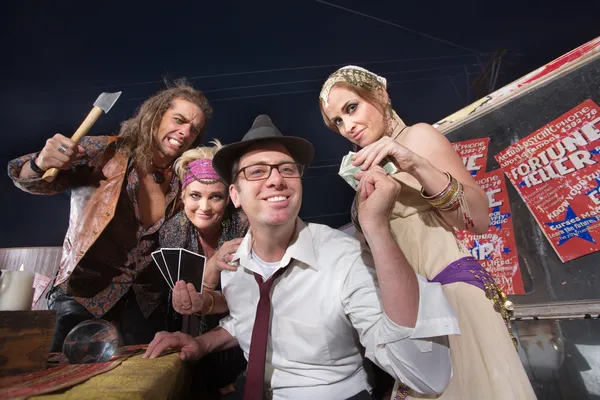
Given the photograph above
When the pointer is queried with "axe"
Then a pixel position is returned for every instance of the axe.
(104, 102)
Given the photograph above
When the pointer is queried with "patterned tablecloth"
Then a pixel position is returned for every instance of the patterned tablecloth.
(125, 377)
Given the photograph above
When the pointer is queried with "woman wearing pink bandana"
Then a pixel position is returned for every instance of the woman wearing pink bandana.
(207, 225)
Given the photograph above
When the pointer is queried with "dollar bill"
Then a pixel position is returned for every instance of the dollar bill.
(347, 170)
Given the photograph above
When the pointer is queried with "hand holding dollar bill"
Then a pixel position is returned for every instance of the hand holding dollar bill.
(347, 170)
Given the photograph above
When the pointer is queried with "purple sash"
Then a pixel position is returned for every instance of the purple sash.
(466, 269)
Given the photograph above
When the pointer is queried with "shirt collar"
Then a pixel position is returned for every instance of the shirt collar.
(300, 248)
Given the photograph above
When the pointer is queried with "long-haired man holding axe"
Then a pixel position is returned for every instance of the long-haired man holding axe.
(122, 188)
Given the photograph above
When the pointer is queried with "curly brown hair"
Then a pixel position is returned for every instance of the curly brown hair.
(138, 132)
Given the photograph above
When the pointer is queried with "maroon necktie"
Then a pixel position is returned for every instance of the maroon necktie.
(255, 375)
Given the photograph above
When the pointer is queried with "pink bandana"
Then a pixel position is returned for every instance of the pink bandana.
(199, 170)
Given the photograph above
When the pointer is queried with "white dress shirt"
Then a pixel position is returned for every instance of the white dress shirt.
(323, 305)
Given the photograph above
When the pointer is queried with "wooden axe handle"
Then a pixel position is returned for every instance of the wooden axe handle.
(83, 129)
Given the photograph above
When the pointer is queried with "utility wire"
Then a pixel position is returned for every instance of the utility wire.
(322, 80)
(264, 71)
(399, 26)
(314, 90)
(313, 80)
(295, 91)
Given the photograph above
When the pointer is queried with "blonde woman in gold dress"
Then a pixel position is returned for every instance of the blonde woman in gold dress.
(438, 195)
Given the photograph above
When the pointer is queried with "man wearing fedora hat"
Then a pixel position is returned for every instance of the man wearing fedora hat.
(303, 293)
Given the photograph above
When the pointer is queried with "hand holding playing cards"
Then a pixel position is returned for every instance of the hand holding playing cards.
(180, 265)
(377, 193)
(375, 153)
(189, 348)
(186, 299)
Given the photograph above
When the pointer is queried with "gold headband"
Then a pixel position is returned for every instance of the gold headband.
(354, 75)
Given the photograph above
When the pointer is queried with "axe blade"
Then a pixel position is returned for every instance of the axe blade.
(106, 100)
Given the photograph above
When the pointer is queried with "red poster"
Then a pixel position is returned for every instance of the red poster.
(496, 249)
(474, 154)
(555, 170)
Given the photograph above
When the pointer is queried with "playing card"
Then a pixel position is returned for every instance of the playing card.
(191, 268)
(172, 258)
(162, 267)
(347, 170)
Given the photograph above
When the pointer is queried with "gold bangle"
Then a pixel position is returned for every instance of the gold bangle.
(447, 197)
(209, 286)
(453, 203)
(212, 302)
(435, 196)
(210, 308)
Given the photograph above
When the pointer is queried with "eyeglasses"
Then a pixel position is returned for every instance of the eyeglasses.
(259, 172)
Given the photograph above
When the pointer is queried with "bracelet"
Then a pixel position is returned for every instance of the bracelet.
(459, 201)
(435, 196)
(451, 198)
(448, 196)
(34, 166)
(454, 202)
(210, 308)
(209, 286)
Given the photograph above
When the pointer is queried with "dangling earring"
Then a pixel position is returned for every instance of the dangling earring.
(391, 122)
(389, 125)
(388, 115)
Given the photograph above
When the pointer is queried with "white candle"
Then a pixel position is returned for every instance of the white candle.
(16, 290)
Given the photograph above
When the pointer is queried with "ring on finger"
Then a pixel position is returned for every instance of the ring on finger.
(223, 258)
(62, 148)
(186, 307)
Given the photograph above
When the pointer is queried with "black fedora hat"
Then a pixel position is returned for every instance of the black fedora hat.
(262, 131)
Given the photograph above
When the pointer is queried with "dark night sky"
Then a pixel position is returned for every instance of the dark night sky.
(250, 58)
